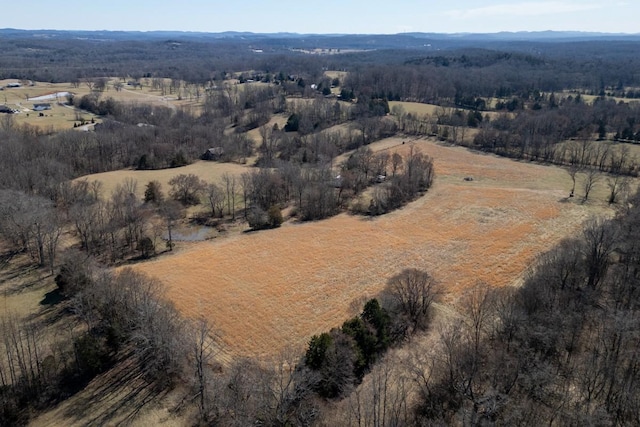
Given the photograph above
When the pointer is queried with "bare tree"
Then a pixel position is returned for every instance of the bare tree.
(573, 171)
(382, 399)
(100, 84)
(269, 144)
(90, 82)
(618, 159)
(618, 184)
(230, 187)
(215, 198)
(600, 238)
(171, 211)
(592, 176)
(202, 353)
(396, 163)
(31, 223)
(412, 292)
(478, 306)
(186, 189)
(286, 387)
(245, 185)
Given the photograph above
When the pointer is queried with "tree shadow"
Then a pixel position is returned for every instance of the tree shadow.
(114, 398)
(52, 298)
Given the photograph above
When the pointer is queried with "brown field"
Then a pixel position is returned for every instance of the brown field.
(332, 74)
(267, 290)
(590, 98)
(279, 119)
(208, 171)
(415, 107)
(422, 109)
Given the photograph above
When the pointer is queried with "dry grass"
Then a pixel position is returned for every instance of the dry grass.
(23, 286)
(279, 119)
(591, 98)
(332, 74)
(208, 171)
(422, 109)
(416, 107)
(267, 290)
(119, 397)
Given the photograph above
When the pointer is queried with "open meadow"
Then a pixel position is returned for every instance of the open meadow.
(208, 171)
(421, 109)
(267, 290)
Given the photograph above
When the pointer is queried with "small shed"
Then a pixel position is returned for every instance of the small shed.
(214, 153)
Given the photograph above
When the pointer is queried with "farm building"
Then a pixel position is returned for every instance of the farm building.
(214, 153)
(41, 107)
(14, 84)
(5, 109)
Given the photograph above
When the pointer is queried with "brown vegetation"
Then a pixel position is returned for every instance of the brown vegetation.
(281, 286)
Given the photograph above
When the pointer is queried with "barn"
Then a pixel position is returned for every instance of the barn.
(214, 153)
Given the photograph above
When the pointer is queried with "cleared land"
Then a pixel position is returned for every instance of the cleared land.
(264, 291)
(421, 109)
(62, 117)
(208, 171)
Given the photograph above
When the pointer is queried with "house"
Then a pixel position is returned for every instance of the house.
(214, 153)
(41, 107)
(5, 109)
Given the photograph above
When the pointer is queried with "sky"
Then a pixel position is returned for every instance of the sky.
(328, 16)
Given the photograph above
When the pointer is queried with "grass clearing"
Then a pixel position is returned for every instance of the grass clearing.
(422, 109)
(208, 171)
(266, 290)
(23, 286)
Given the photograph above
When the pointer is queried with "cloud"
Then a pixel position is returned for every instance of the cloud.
(531, 8)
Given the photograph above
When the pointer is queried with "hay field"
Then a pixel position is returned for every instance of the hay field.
(267, 290)
(422, 109)
(208, 171)
(332, 74)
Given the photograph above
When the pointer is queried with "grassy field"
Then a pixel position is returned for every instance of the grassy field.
(332, 74)
(62, 117)
(208, 171)
(264, 291)
(591, 98)
(422, 109)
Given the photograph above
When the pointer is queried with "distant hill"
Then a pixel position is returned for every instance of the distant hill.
(378, 41)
